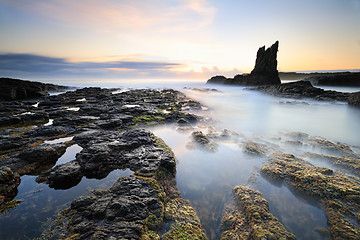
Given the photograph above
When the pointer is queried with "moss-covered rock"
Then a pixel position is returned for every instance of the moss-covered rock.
(253, 148)
(184, 231)
(8, 189)
(339, 149)
(251, 218)
(201, 140)
(338, 194)
(348, 163)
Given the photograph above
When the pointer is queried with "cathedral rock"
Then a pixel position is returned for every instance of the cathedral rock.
(264, 73)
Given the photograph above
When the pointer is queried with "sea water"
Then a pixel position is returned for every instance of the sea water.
(205, 177)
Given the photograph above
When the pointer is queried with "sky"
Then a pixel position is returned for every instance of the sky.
(173, 38)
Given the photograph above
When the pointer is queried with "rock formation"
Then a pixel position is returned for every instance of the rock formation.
(250, 218)
(342, 79)
(303, 89)
(354, 99)
(15, 89)
(264, 73)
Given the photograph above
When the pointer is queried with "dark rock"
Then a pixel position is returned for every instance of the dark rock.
(45, 153)
(49, 131)
(354, 99)
(63, 176)
(27, 118)
(106, 127)
(120, 211)
(8, 184)
(264, 73)
(303, 89)
(12, 89)
(341, 79)
(218, 79)
(105, 151)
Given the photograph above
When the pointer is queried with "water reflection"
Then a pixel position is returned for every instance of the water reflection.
(59, 140)
(69, 154)
(39, 202)
(303, 219)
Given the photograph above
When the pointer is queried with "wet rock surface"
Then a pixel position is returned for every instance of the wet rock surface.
(135, 207)
(264, 73)
(338, 194)
(8, 189)
(250, 218)
(199, 139)
(107, 125)
(84, 110)
(105, 151)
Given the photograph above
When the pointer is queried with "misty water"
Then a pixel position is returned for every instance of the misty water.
(206, 178)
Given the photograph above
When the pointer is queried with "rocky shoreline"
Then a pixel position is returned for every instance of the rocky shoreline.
(106, 123)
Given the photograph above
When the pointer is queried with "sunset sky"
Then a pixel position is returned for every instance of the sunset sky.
(174, 38)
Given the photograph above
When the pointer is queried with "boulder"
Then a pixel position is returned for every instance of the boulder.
(8, 184)
(63, 176)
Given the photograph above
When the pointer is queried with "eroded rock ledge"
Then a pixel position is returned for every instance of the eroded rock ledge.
(338, 194)
(250, 218)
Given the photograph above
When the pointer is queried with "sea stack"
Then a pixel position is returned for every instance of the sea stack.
(264, 73)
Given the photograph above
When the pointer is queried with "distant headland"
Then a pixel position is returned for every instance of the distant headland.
(265, 77)
(265, 73)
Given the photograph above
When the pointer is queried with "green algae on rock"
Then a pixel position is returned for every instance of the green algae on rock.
(200, 139)
(9, 182)
(254, 148)
(251, 218)
(348, 163)
(338, 194)
(339, 149)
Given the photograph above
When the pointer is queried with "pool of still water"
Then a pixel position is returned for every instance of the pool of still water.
(41, 203)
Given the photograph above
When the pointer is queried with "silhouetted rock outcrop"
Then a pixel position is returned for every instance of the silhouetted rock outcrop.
(343, 79)
(16, 89)
(303, 89)
(264, 73)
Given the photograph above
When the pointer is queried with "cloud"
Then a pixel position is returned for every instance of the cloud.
(36, 66)
(43, 65)
(129, 15)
